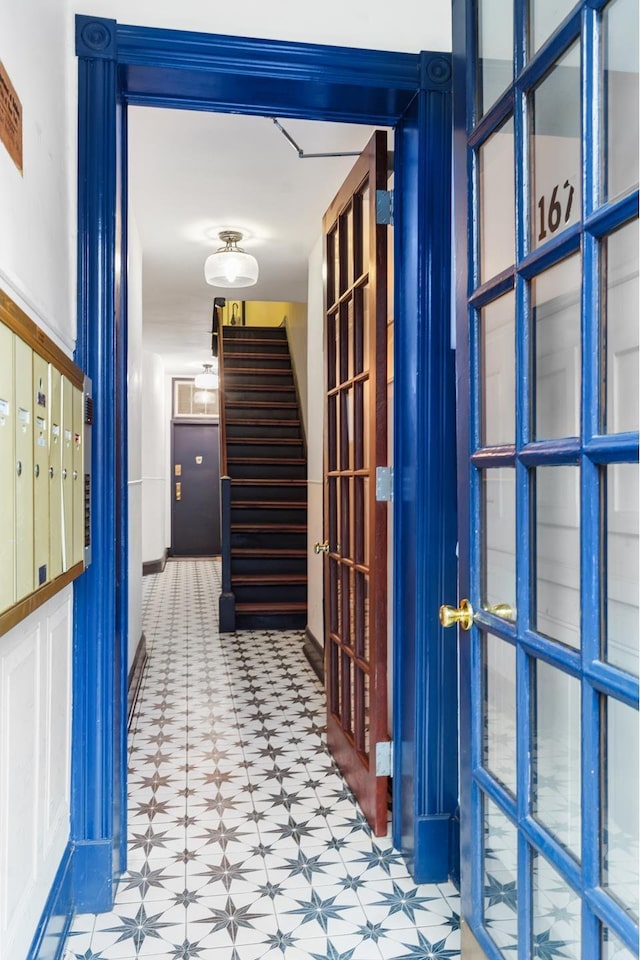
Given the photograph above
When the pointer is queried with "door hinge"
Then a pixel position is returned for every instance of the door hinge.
(384, 206)
(384, 483)
(384, 759)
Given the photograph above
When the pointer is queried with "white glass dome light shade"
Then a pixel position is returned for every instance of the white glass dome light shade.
(230, 266)
(207, 380)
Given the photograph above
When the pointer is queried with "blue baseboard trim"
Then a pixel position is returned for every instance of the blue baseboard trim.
(51, 935)
(432, 848)
(93, 881)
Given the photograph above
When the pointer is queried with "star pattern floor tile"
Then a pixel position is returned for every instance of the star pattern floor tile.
(245, 843)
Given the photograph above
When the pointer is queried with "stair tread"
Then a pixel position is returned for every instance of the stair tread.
(270, 606)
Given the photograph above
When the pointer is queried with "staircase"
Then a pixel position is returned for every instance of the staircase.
(265, 498)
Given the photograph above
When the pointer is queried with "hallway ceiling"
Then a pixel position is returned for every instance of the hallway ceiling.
(193, 174)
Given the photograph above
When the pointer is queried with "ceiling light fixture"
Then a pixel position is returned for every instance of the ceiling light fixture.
(230, 266)
(207, 380)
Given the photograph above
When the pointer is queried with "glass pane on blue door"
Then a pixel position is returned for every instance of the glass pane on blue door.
(544, 17)
(612, 948)
(621, 96)
(555, 306)
(555, 748)
(500, 873)
(499, 721)
(622, 495)
(495, 51)
(499, 542)
(497, 203)
(621, 851)
(498, 377)
(556, 149)
(555, 914)
(557, 553)
(620, 265)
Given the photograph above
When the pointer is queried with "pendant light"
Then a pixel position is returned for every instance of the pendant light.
(207, 380)
(230, 266)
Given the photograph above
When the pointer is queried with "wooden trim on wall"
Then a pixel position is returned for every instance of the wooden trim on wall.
(314, 652)
(11, 617)
(135, 677)
(25, 328)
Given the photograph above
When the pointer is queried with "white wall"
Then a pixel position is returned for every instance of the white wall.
(155, 458)
(134, 404)
(412, 26)
(296, 325)
(315, 433)
(37, 253)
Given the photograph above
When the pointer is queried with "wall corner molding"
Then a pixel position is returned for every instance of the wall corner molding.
(96, 38)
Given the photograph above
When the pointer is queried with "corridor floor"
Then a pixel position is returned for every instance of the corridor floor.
(244, 840)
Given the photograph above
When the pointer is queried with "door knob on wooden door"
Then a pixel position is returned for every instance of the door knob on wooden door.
(452, 615)
(321, 547)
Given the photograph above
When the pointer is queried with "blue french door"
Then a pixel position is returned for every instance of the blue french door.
(547, 366)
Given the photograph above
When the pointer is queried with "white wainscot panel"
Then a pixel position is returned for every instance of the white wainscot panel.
(19, 776)
(55, 733)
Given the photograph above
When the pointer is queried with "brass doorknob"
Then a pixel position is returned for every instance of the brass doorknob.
(321, 547)
(452, 615)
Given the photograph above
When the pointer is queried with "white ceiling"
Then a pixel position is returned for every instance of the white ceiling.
(193, 174)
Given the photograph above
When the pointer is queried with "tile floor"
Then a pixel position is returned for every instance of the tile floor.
(244, 840)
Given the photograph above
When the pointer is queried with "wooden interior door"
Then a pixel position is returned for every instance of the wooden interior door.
(355, 523)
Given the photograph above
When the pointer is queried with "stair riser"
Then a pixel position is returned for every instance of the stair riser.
(266, 540)
(266, 565)
(296, 593)
(270, 471)
(267, 492)
(275, 348)
(272, 451)
(240, 379)
(273, 412)
(272, 515)
(257, 362)
(254, 333)
(258, 394)
(279, 621)
(263, 431)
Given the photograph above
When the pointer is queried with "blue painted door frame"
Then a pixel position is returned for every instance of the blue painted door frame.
(121, 65)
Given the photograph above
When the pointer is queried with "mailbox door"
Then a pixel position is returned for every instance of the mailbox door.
(41, 470)
(55, 472)
(7, 464)
(24, 406)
